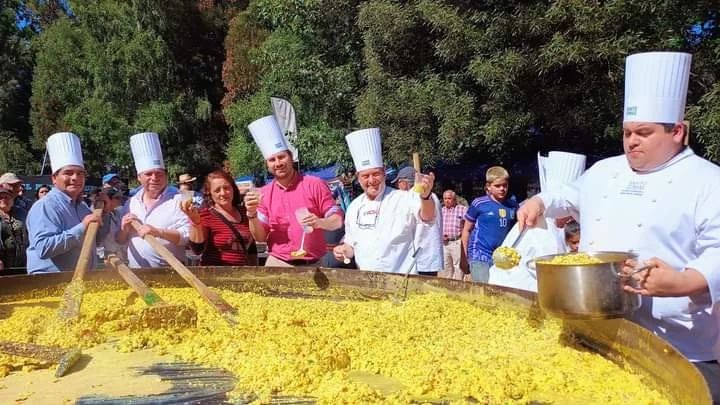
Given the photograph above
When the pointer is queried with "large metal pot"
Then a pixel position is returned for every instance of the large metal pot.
(585, 291)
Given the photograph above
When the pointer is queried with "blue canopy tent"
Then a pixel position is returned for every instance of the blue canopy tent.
(326, 173)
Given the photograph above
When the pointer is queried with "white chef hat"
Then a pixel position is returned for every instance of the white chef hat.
(366, 148)
(267, 136)
(656, 86)
(562, 168)
(64, 150)
(146, 151)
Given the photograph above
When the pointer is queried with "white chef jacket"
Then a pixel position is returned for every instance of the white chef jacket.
(428, 236)
(382, 231)
(165, 214)
(671, 213)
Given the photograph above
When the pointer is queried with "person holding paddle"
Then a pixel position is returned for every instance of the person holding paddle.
(57, 223)
(156, 206)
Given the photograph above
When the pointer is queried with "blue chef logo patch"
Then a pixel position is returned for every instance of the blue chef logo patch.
(279, 145)
(156, 162)
(632, 110)
(365, 162)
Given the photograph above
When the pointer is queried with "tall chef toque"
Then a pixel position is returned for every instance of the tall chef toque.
(656, 86)
(146, 152)
(267, 136)
(64, 150)
(559, 168)
(366, 148)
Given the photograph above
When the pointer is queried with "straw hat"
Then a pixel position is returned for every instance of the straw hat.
(186, 178)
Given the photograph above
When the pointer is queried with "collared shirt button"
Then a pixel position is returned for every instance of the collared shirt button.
(598, 219)
(592, 242)
(654, 200)
(605, 196)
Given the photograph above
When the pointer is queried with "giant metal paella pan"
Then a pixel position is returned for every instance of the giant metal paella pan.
(337, 300)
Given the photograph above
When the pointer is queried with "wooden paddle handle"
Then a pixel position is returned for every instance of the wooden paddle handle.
(149, 296)
(45, 353)
(416, 162)
(88, 246)
(209, 295)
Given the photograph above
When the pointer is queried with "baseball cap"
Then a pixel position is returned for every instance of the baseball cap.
(406, 173)
(106, 178)
(9, 178)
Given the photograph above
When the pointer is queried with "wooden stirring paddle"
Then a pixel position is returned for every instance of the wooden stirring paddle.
(73, 294)
(219, 304)
(159, 313)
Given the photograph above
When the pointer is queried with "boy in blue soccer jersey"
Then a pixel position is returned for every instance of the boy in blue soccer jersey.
(487, 221)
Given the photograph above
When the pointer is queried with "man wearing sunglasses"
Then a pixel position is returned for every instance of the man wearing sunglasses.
(380, 224)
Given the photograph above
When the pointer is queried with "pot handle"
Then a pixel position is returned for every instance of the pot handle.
(638, 270)
(530, 264)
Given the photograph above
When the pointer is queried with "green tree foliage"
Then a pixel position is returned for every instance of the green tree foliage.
(310, 54)
(15, 77)
(463, 80)
(504, 79)
(119, 68)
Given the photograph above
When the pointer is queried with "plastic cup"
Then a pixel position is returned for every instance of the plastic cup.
(245, 186)
(301, 213)
(187, 195)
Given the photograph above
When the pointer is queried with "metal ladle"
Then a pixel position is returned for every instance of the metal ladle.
(502, 260)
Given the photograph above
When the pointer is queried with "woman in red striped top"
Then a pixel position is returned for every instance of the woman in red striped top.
(220, 229)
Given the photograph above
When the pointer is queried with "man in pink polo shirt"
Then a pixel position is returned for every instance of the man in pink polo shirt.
(290, 206)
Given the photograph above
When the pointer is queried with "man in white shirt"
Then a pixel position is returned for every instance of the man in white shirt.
(155, 205)
(660, 201)
(381, 223)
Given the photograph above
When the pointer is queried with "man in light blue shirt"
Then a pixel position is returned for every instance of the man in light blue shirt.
(57, 223)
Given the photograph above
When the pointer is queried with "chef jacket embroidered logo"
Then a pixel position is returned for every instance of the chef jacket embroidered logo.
(636, 188)
(502, 212)
(368, 215)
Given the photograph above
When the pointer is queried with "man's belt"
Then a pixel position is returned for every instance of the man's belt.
(453, 238)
